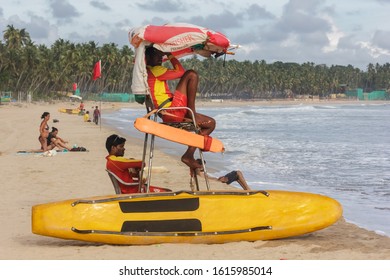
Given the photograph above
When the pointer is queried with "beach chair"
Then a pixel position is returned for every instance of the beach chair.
(141, 189)
(188, 124)
(116, 180)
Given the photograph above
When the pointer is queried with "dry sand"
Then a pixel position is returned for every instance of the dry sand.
(27, 180)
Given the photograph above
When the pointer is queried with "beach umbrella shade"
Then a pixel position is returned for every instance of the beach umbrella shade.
(180, 39)
(74, 97)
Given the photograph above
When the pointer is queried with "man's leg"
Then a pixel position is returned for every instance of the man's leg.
(206, 123)
(241, 180)
(188, 85)
(188, 158)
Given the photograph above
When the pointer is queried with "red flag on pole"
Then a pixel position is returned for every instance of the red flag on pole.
(97, 70)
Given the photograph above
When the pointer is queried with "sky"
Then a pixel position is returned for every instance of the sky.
(331, 32)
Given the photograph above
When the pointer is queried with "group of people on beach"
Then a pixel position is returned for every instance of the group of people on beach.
(184, 96)
(50, 139)
(162, 97)
(85, 114)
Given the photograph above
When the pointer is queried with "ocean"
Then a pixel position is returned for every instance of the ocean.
(342, 151)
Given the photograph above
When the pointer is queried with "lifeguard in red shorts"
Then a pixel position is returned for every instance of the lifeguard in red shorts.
(184, 96)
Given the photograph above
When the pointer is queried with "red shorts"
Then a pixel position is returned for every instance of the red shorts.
(179, 100)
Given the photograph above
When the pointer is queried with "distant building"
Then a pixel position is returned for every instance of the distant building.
(360, 95)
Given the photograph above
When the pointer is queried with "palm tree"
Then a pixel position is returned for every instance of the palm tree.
(15, 38)
(44, 70)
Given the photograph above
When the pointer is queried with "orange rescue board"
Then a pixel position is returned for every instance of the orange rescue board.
(178, 135)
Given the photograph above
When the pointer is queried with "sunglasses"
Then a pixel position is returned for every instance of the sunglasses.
(114, 143)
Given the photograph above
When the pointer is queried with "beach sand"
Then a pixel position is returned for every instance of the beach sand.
(27, 180)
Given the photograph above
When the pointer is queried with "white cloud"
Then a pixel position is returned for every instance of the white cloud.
(319, 31)
(373, 50)
(334, 35)
(247, 48)
(291, 41)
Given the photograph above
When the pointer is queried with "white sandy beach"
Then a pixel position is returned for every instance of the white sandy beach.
(27, 180)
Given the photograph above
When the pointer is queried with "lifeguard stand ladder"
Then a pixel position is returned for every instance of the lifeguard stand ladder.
(149, 153)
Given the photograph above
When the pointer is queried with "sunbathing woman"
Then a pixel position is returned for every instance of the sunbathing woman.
(44, 131)
(53, 140)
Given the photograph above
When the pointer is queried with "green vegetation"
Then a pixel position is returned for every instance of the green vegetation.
(43, 71)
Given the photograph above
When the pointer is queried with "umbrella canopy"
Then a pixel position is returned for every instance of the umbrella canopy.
(75, 97)
(180, 39)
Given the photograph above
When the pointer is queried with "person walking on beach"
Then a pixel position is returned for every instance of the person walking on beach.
(96, 115)
(184, 96)
(44, 131)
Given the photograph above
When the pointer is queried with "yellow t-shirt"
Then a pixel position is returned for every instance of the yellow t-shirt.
(158, 77)
(86, 117)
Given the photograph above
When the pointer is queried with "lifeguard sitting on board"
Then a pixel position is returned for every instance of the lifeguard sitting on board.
(184, 95)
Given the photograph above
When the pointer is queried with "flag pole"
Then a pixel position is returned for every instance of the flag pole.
(100, 115)
(97, 73)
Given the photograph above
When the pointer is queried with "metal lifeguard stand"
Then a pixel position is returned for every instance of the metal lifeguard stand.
(148, 149)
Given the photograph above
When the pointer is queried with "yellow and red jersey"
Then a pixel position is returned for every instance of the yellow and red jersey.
(157, 81)
(121, 166)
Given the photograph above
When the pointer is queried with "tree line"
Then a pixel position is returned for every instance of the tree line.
(46, 71)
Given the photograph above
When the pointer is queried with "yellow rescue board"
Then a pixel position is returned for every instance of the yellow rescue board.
(69, 111)
(186, 217)
(177, 135)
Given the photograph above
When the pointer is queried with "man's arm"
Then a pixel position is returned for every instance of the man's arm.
(124, 163)
(175, 73)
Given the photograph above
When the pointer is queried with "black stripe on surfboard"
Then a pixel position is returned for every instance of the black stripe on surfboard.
(180, 225)
(168, 205)
(188, 234)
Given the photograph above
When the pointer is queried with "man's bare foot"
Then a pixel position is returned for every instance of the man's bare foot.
(191, 162)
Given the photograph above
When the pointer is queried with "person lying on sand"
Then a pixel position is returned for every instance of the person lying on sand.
(233, 176)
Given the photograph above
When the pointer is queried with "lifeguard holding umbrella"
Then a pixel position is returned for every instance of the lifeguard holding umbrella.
(178, 39)
(155, 44)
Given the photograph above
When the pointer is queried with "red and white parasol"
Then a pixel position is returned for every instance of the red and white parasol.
(180, 39)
